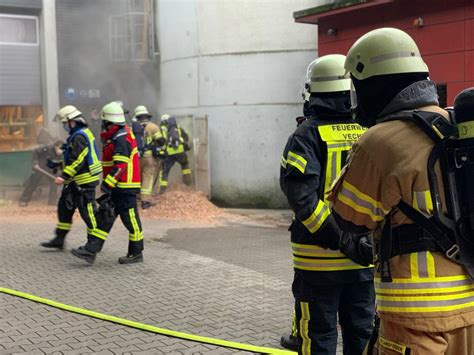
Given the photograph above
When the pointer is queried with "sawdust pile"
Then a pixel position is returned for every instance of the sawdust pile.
(178, 203)
(34, 210)
(184, 204)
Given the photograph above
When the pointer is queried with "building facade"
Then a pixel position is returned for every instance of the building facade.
(443, 30)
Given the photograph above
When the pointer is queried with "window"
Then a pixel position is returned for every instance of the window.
(18, 30)
(442, 95)
(132, 33)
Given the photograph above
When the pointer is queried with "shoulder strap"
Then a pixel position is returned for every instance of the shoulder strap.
(433, 124)
(448, 246)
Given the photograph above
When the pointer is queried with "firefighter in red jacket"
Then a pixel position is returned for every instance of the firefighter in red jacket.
(121, 185)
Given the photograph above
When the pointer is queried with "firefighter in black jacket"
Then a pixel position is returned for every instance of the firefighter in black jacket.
(80, 176)
(327, 284)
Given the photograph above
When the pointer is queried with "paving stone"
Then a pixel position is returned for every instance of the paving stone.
(230, 282)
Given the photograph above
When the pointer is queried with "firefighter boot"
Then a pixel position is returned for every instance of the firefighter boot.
(289, 342)
(147, 204)
(131, 259)
(55, 243)
(85, 254)
(187, 179)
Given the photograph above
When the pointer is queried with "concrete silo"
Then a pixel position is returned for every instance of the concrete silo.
(242, 64)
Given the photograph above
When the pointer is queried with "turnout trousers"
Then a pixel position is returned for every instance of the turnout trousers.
(125, 206)
(149, 167)
(396, 339)
(182, 159)
(72, 198)
(316, 318)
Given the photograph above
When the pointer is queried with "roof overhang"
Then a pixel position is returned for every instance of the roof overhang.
(314, 14)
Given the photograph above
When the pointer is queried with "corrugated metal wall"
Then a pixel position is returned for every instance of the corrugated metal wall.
(20, 75)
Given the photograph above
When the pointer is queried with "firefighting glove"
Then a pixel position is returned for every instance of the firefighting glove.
(358, 248)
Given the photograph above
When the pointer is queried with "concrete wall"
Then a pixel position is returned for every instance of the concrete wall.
(242, 63)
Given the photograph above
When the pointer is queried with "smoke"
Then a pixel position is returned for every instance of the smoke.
(94, 55)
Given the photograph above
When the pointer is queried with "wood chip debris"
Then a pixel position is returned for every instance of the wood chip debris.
(178, 203)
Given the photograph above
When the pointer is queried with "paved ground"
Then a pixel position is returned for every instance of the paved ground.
(230, 281)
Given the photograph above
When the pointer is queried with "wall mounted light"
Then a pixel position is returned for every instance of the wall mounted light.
(418, 22)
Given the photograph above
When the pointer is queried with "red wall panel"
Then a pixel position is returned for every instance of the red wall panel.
(443, 38)
(469, 65)
(469, 34)
(469, 9)
(456, 88)
(447, 67)
(446, 40)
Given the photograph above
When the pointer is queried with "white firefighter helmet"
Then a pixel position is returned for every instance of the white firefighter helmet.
(113, 112)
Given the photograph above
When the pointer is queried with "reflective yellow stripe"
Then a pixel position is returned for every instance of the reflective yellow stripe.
(71, 168)
(294, 328)
(173, 151)
(107, 163)
(90, 211)
(424, 294)
(297, 161)
(186, 171)
(326, 264)
(304, 328)
(64, 226)
(110, 180)
(314, 222)
(423, 202)
(130, 166)
(157, 136)
(96, 232)
(147, 190)
(283, 162)
(414, 265)
(121, 158)
(127, 185)
(431, 265)
(85, 178)
(95, 168)
(314, 258)
(315, 251)
(360, 202)
(137, 235)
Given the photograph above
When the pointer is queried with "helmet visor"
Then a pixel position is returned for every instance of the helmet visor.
(353, 97)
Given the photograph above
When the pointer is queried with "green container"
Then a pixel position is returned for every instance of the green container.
(15, 168)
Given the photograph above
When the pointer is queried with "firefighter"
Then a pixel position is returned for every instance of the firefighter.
(42, 156)
(327, 284)
(424, 299)
(153, 144)
(177, 143)
(80, 176)
(120, 186)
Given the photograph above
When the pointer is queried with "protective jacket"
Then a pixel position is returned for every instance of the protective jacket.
(81, 158)
(428, 292)
(312, 159)
(153, 138)
(176, 137)
(120, 160)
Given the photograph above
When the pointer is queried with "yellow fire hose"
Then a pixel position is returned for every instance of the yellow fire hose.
(146, 327)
